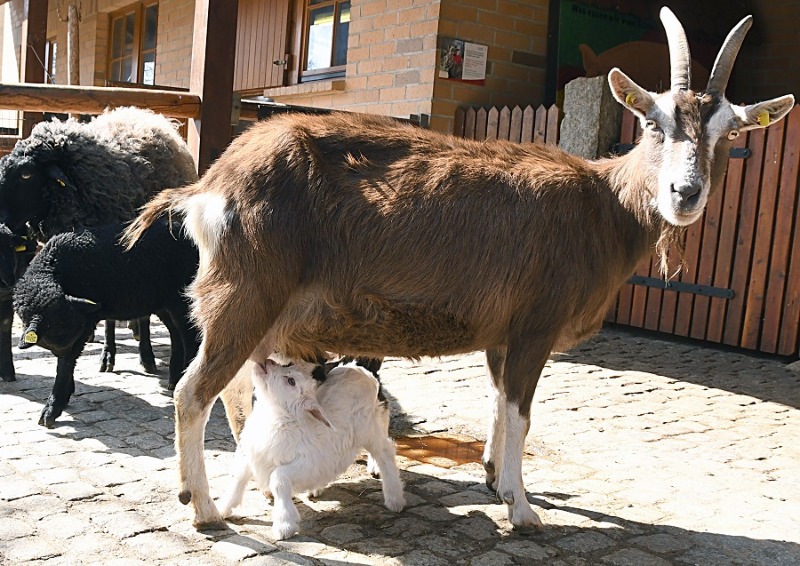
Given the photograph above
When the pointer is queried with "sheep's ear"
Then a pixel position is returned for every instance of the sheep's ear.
(55, 173)
(313, 408)
(84, 305)
(629, 94)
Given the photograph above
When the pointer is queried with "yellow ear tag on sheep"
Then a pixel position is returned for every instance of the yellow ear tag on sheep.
(60, 182)
(763, 118)
(630, 99)
(31, 337)
(21, 248)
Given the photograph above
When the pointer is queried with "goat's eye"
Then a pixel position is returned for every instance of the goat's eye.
(291, 381)
(733, 134)
(651, 125)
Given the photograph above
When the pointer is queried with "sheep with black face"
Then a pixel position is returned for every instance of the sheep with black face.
(71, 175)
(80, 278)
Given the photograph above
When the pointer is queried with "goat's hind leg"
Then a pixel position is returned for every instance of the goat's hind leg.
(382, 449)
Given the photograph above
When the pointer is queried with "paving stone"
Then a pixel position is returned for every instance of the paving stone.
(422, 558)
(585, 542)
(491, 558)
(633, 557)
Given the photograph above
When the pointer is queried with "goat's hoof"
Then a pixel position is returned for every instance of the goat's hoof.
(9, 378)
(282, 531)
(524, 519)
(214, 525)
(185, 497)
(106, 366)
(171, 386)
(150, 367)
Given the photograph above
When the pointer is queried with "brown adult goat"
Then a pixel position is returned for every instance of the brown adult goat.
(361, 236)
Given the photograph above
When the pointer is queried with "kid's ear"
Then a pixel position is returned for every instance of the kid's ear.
(313, 408)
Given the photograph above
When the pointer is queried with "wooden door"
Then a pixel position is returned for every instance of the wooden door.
(261, 44)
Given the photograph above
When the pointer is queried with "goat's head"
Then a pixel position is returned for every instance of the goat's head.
(292, 387)
(687, 134)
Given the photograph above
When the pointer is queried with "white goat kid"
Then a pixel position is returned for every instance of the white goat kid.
(302, 435)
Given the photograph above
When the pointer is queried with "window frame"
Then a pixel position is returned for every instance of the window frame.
(333, 72)
(138, 9)
(50, 47)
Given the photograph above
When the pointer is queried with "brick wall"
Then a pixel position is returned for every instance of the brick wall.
(174, 55)
(516, 34)
(391, 61)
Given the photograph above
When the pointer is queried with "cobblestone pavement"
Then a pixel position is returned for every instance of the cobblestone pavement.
(642, 452)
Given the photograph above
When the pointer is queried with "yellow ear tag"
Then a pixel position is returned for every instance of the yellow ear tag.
(21, 248)
(60, 182)
(91, 302)
(31, 337)
(630, 99)
(763, 118)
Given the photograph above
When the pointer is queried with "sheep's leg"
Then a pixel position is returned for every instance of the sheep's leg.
(495, 439)
(241, 475)
(177, 356)
(63, 388)
(231, 333)
(285, 518)
(146, 357)
(7, 372)
(523, 366)
(109, 353)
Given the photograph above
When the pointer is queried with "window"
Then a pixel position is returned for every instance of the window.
(50, 54)
(325, 38)
(132, 44)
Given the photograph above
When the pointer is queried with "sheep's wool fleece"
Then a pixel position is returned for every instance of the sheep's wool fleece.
(116, 163)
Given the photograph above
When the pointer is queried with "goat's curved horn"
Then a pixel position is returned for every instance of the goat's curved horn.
(723, 65)
(679, 58)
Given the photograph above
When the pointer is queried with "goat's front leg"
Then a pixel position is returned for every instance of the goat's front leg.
(495, 439)
(7, 372)
(109, 353)
(63, 388)
(523, 365)
(285, 518)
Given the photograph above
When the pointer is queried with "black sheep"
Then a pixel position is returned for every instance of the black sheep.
(71, 175)
(81, 278)
(16, 252)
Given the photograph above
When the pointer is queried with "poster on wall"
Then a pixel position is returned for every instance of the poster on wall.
(462, 60)
(592, 41)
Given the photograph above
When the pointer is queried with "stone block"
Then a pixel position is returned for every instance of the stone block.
(592, 118)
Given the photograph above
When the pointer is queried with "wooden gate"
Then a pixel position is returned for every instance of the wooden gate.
(741, 282)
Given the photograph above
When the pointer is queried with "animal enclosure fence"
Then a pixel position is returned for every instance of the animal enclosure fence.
(740, 285)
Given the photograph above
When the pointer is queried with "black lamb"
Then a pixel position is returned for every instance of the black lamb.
(16, 252)
(71, 175)
(80, 278)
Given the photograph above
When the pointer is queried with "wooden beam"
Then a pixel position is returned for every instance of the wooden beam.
(93, 100)
(213, 59)
(33, 57)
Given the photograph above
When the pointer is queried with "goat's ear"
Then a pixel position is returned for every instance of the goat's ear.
(762, 114)
(314, 409)
(84, 305)
(629, 94)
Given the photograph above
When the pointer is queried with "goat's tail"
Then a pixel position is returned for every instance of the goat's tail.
(163, 203)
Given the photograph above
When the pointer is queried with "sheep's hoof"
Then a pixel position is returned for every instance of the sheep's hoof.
(171, 386)
(9, 378)
(150, 367)
(106, 366)
(48, 419)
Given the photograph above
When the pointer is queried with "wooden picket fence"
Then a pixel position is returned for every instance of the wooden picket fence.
(517, 124)
(740, 284)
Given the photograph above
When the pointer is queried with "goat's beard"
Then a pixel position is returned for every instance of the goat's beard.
(671, 244)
